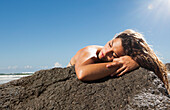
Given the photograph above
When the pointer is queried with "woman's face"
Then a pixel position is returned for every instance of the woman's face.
(112, 49)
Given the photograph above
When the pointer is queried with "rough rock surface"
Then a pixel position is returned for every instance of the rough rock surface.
(59, 89)
(168, 70)
(167, 66)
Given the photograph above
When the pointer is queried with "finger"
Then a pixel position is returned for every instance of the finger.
(112, 64)
(120, 69)
(116, 59)
(109, 65)
(113, 74)
(122, 72)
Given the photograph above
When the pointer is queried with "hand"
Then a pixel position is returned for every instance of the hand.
(126, 63)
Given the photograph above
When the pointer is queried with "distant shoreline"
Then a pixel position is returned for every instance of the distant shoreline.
(7, 78)
(23, 73)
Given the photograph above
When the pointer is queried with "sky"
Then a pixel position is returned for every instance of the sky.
(42, 34)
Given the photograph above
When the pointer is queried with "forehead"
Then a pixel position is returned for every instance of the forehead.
(117, 46)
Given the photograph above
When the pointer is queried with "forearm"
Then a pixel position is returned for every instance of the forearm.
(94, 71)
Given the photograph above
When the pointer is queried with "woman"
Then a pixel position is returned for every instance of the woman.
(125, 52)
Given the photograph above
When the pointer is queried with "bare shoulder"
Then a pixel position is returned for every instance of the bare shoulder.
(89, 51)
(87, 55)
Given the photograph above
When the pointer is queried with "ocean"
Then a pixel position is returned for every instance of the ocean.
(6, 77)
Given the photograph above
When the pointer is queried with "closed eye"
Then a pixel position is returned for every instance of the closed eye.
(110, 45)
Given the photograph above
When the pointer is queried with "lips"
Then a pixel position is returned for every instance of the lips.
(102, 55)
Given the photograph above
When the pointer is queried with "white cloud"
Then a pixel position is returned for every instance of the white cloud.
(150, 7)
(13, 67)
(28, 67)
(57, 64)
(44, 67)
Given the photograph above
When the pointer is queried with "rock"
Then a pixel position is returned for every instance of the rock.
(167, 66)
(59, 89)
(168, 71)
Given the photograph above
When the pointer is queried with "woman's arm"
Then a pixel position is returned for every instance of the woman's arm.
(94, 71)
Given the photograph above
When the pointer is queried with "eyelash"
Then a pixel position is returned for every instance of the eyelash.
(110, 45)
(115, 56)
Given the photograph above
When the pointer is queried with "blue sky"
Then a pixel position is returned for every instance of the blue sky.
(41, 34)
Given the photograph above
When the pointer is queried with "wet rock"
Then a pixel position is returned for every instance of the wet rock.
(59, 89)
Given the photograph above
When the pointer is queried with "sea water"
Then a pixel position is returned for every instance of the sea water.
(6, 77)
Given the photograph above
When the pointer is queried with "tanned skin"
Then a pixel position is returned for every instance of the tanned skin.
(96, 62)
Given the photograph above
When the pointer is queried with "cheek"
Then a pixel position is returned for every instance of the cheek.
(104, 48)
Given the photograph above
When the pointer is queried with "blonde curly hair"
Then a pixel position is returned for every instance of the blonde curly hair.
(136, 46)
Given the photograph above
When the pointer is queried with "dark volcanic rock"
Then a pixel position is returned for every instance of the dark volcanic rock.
(167, 66)
(59, 89)
(168, 71)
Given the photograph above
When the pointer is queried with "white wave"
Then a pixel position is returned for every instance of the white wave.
(7, 78)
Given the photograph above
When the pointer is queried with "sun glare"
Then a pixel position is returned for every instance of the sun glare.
(160, 8)
(154, 11)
